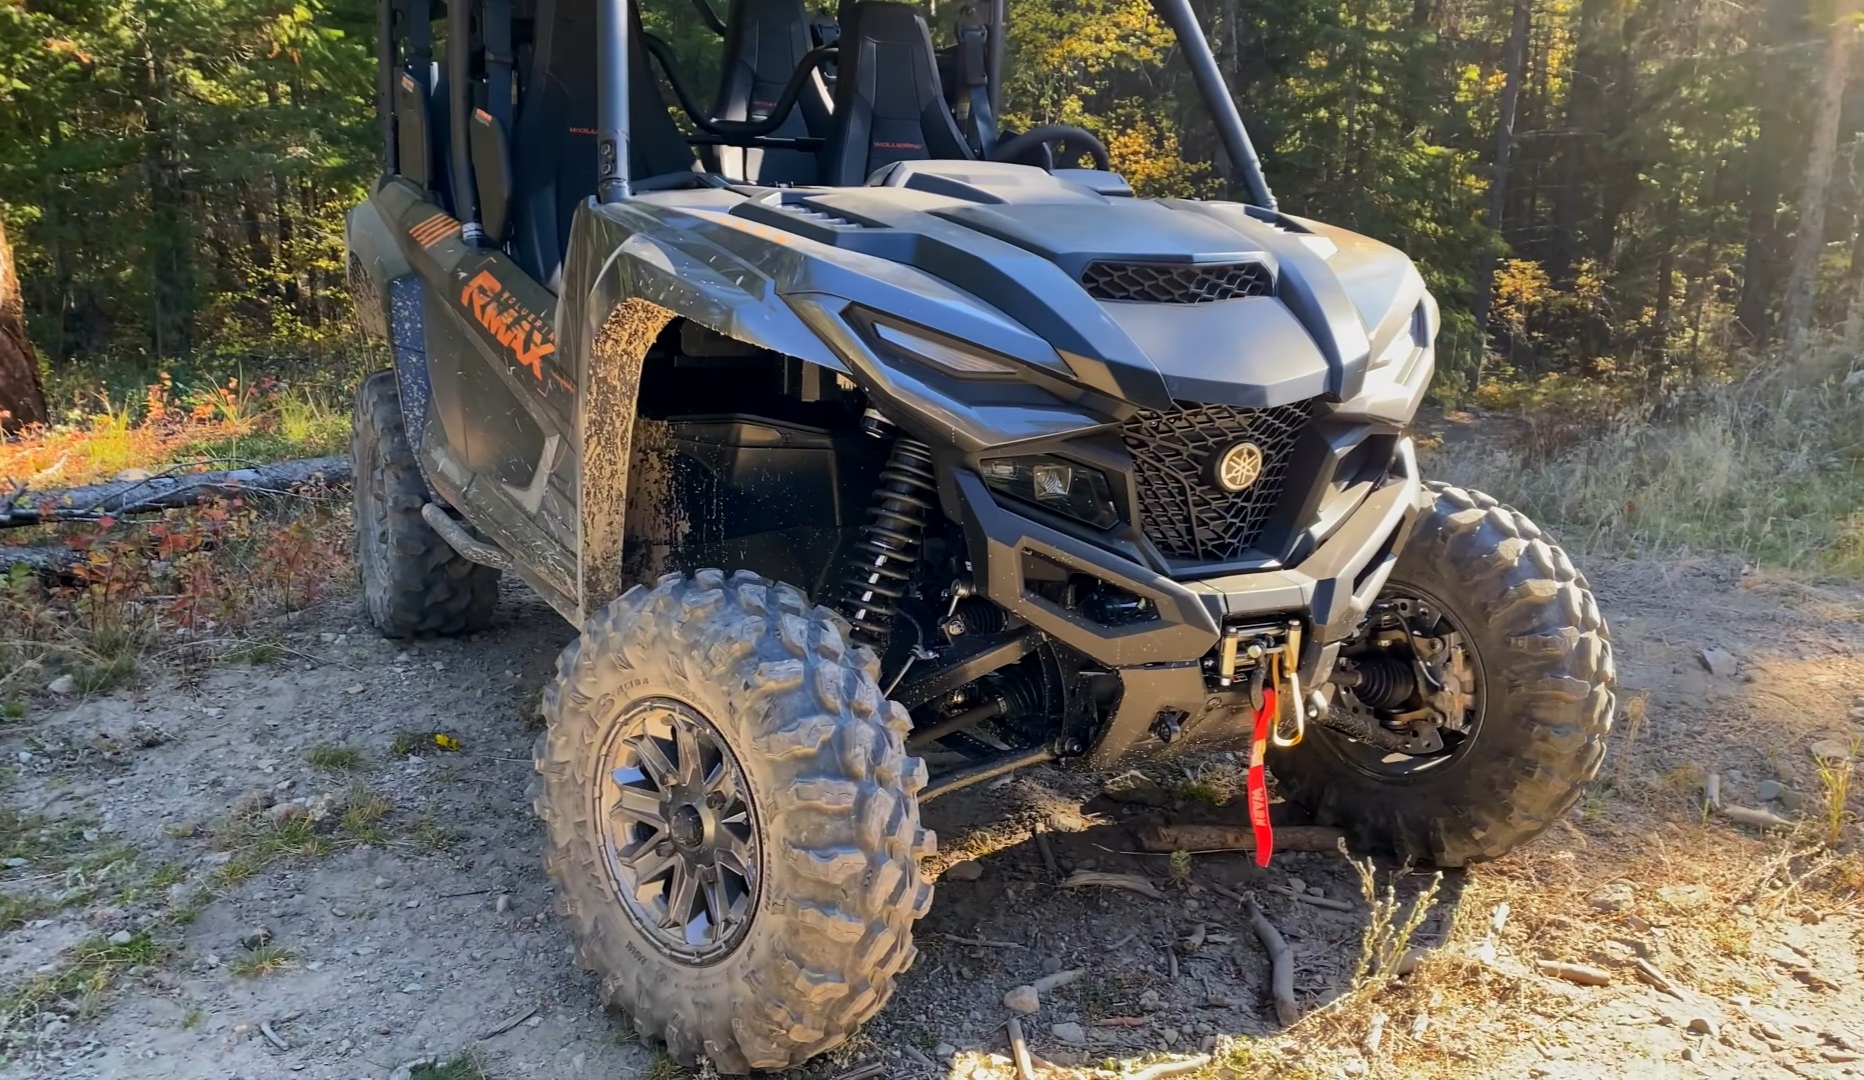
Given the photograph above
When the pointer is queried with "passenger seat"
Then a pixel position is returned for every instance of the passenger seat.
(765, 42)
(889, 103)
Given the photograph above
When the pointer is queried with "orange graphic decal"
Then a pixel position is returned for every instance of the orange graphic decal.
(516, 327)
(434, 229)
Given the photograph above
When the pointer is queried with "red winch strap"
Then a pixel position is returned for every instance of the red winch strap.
(1258, 781)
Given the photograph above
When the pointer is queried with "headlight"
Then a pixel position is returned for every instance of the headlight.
(1060, 487)
(935, 350)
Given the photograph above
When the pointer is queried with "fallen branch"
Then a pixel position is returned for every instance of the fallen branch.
(1654, 975)
(1310, 898)
(1162, 838)
(1057, 980)
(509, 1024)
(1760, 819)
(1019, 1050)
(1170, 1068)
(272, 1037)
(1048, 853)
(167, 491)
(1281, 964)
(1129, 882)
(983, 943)
(1574, 973)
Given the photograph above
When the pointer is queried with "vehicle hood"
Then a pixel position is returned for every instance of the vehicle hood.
(1016, 243)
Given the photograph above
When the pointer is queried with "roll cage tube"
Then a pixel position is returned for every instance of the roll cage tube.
(1230, 130)
(744, 129)
(612, 96)
(385, 82)
(459, 116)
(611, 57)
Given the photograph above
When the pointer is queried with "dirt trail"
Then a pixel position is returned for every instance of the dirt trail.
(419, 926)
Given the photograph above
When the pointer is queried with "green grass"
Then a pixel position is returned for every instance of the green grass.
(193, 1018)
(461, 1066)
(364, 814)
(89, 971)
(257, 842)
(336, 757)
(430, 835)
(662, 1067)
(17, 911)
(262, 961)
(13, 710)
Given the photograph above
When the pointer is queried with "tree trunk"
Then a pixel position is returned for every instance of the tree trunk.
(22, 398)
(1574, 189)
(1803, 285)
(1774, 81)
(1498, 185)
(1232, 39)
(1659, 361)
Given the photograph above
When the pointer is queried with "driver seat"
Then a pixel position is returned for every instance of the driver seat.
(889, 103)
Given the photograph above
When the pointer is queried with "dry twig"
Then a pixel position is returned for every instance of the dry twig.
(1281, 964)
(1129, 882)
(1019, 1049)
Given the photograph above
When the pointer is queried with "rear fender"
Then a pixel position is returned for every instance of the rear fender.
(387, 295)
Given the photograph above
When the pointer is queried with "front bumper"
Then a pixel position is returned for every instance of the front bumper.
(1329, 590)
(1160, 661)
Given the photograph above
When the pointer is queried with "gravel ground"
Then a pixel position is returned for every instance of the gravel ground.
(406, 914)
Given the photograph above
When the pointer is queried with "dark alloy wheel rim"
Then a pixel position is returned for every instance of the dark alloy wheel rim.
(1460, 646)
(678, 832)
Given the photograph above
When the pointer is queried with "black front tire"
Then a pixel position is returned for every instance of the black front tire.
(832, 797)
(413, 583)
(1545, 663)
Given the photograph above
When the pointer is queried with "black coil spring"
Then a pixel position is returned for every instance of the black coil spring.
(880, 568)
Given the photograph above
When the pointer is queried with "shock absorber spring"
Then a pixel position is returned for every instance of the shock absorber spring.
(880, 568)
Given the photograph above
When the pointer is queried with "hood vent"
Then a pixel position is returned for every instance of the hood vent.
(1176, 283)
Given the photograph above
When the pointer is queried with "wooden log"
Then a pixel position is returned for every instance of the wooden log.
(1165, 838)
(169, 490)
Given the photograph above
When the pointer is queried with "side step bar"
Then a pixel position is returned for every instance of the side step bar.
(457, 538)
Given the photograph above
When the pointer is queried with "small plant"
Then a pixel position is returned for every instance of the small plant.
(13, 710)
(461, 1066)
(167, 874)
(430, 835)
(407, 743)
(335, 757)
(1180, 867)
(1388, 933)
(663, 1067)
(363, 815)
(262, 961)
(1835, 778)
(193, 1018)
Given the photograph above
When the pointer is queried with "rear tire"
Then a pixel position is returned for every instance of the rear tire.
(814, 761)
(1545, 664)
(413, 583)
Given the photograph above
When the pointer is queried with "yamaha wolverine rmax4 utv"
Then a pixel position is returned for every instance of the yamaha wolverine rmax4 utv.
(845, 425)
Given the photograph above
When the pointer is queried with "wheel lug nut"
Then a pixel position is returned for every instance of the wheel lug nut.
(664, 848)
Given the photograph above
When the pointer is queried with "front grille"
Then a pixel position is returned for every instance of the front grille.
(1176, 283)
(1182, 510)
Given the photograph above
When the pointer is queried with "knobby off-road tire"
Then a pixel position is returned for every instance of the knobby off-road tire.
(413, 583)
(832, 795)
(1545, 661)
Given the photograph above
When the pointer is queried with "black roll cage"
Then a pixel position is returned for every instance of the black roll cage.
(612, 59)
